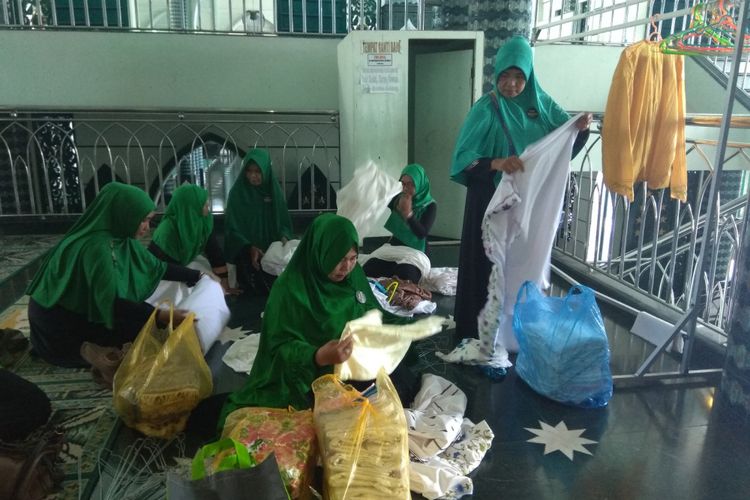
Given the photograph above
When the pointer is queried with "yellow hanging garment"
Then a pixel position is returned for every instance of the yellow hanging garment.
(643, 132)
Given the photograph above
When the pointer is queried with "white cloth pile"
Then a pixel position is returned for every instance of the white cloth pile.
(364, 200)
(277, 256)
(399, 254)
(205, 299)
(445, 447)
(379, 346)
(442, 280)
(241, 354)
(518, 231)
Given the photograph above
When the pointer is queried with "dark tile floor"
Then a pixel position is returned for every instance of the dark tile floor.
(666, 441)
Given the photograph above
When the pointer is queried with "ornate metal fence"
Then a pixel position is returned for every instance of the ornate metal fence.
(56, 162)
(652, 244)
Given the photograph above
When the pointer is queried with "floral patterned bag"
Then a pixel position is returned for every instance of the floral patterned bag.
(288, 434)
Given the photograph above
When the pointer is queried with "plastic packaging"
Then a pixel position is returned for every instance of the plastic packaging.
(564, 351)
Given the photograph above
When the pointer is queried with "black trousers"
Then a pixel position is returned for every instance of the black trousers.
(57, 334)
(24, 407)
(377, 268)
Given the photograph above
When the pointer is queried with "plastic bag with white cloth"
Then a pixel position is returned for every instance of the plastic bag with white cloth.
(364, 200)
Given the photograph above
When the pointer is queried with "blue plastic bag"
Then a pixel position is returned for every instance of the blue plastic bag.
(563, 347)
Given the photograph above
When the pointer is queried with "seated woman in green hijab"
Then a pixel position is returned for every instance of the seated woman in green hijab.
(256, 216)
(92, 285)
(320, 290)
(187, 230)
(413, 213)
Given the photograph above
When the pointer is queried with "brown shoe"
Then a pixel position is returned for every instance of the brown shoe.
(104, 361)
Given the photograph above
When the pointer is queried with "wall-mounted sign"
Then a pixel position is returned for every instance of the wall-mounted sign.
(380, 59)
(380, 80)
(382, 47)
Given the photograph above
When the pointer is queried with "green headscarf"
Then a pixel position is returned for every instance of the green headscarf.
(184, 230)
(304, 311)
(422, 197)
(98, 260)
(482, 134)
(255, 215)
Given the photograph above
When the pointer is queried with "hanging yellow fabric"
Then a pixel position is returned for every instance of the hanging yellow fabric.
(643, 132)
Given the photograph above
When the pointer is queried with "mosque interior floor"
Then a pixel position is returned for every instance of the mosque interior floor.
(662, 441)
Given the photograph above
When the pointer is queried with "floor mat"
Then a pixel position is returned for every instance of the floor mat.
(80, 406)
(18, 250)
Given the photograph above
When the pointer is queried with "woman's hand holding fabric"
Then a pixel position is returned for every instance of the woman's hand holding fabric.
(162, 317)
(228, 290)
(584, 121)
(334, 352)
(507, 165)
(255, 255)
(404, 205)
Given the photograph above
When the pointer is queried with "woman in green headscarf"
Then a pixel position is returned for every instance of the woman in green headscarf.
(412, 216)
(498, 128)
(92, 285)
(187, 230)
(320, 290)
(256, 216)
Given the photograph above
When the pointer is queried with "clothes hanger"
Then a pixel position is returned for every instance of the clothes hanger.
(702, 37)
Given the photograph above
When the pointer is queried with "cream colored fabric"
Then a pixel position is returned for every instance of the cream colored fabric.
(377, 345)
(643, 132)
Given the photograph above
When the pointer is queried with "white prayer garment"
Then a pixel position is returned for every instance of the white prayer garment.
(205, 299)
(277, 256)
(518, 231)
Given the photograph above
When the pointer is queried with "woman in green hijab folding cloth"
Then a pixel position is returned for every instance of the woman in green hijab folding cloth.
(412, 215)
(498, 128)
(320, 290)
(187, 230)
(256, 216)
(92, 286)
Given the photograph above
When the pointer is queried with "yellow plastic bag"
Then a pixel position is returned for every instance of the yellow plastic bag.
(363, 441)
(162, 378)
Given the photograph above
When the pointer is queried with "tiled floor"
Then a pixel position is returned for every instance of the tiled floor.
(659, 442)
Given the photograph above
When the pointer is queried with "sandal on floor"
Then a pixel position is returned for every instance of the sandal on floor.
(12, 340)
(104, 361)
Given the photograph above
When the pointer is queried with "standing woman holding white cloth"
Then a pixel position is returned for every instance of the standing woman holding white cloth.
(498, 128)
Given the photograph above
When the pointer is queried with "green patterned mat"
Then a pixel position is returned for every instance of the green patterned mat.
(78, 404)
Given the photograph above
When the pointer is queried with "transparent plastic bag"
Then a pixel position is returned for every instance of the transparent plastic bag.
(162, 378)
(363, 441)
(564, 351)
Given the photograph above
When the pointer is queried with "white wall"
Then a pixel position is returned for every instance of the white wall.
(578, 77)
(375, 125)
(48, 69)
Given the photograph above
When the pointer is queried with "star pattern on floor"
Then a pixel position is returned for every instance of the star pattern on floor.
(232, 334)
(560, 438)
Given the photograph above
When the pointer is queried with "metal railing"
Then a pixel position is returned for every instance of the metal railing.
(320, 17)
(55, 162)
(651, 245)
(622, 22)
